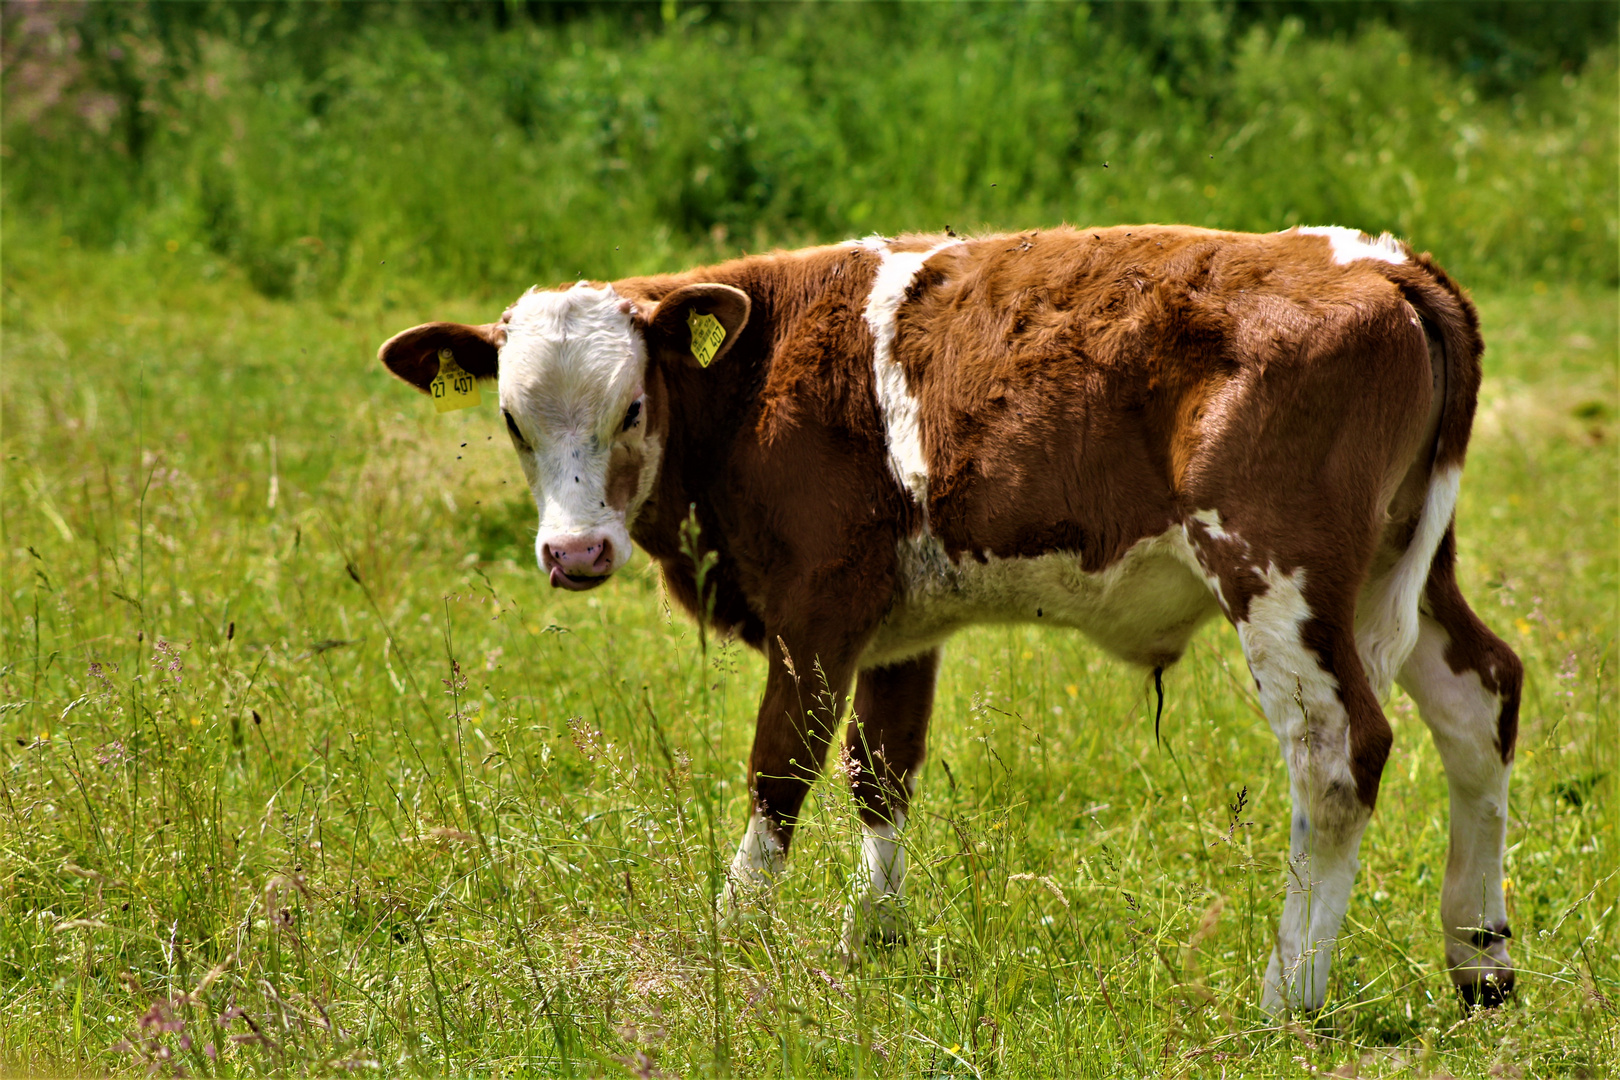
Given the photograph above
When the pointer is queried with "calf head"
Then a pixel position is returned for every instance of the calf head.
(580, 374)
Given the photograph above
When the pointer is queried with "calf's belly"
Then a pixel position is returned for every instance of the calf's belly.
(1143, 609)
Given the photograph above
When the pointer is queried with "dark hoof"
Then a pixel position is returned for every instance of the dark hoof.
(1487, 993)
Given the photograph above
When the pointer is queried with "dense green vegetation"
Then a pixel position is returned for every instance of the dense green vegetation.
(303, 766)
(309, 144)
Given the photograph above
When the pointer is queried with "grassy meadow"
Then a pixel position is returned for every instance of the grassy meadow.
(306, 770)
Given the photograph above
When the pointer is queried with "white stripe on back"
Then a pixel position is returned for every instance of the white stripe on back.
(895, 400)
(1352, 244)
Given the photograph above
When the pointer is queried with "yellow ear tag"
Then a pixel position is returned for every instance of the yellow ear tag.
(707, 337)
(453, 388)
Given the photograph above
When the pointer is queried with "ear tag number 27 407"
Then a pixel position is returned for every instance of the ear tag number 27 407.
(707, 337)
(453, 388)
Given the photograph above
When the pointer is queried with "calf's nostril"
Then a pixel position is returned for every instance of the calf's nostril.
(578, 555)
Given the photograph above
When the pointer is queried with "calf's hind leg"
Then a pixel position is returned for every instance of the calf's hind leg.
(1297, 630)
(1334, 739)
(1466, 684)
(886, 742)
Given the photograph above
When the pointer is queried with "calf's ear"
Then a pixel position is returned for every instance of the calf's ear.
(413, 354)
(681, 323)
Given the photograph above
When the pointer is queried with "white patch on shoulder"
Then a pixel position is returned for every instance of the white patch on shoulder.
(1352, 244)
(1387, 614)
(895, 400)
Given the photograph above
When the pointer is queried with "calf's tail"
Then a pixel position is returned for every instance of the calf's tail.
(1388, 633)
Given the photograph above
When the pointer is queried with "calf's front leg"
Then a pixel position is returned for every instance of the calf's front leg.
(804, 697)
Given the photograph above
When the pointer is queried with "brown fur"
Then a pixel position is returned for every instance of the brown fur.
(888, 740)
(1078, 391)
(623, 475)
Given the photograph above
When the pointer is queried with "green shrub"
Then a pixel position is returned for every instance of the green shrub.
(447, 152)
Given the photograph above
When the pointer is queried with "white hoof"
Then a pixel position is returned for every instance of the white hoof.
(1302, 987)
(874, 921)
(745, 899)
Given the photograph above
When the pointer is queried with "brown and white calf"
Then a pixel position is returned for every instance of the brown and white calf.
(1120, 430)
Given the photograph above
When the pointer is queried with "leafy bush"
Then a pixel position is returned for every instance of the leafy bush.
(434, 147)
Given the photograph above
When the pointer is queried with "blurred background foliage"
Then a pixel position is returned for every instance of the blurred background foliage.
(353, 150)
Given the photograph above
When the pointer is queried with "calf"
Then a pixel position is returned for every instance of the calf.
(1123, 430)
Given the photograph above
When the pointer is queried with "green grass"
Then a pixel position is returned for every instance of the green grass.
(303, 768)
(299, 751)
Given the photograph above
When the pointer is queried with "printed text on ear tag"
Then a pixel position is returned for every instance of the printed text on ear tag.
(707, 335)
(453, 388)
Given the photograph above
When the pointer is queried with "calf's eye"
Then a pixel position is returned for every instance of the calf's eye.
(512, 428)
(631, 416)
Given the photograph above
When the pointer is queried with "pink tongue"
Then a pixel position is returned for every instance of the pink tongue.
(560, 580)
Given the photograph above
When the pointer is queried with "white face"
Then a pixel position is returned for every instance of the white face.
(572, 388)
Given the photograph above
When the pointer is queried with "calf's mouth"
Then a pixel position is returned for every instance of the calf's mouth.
(575, 582)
